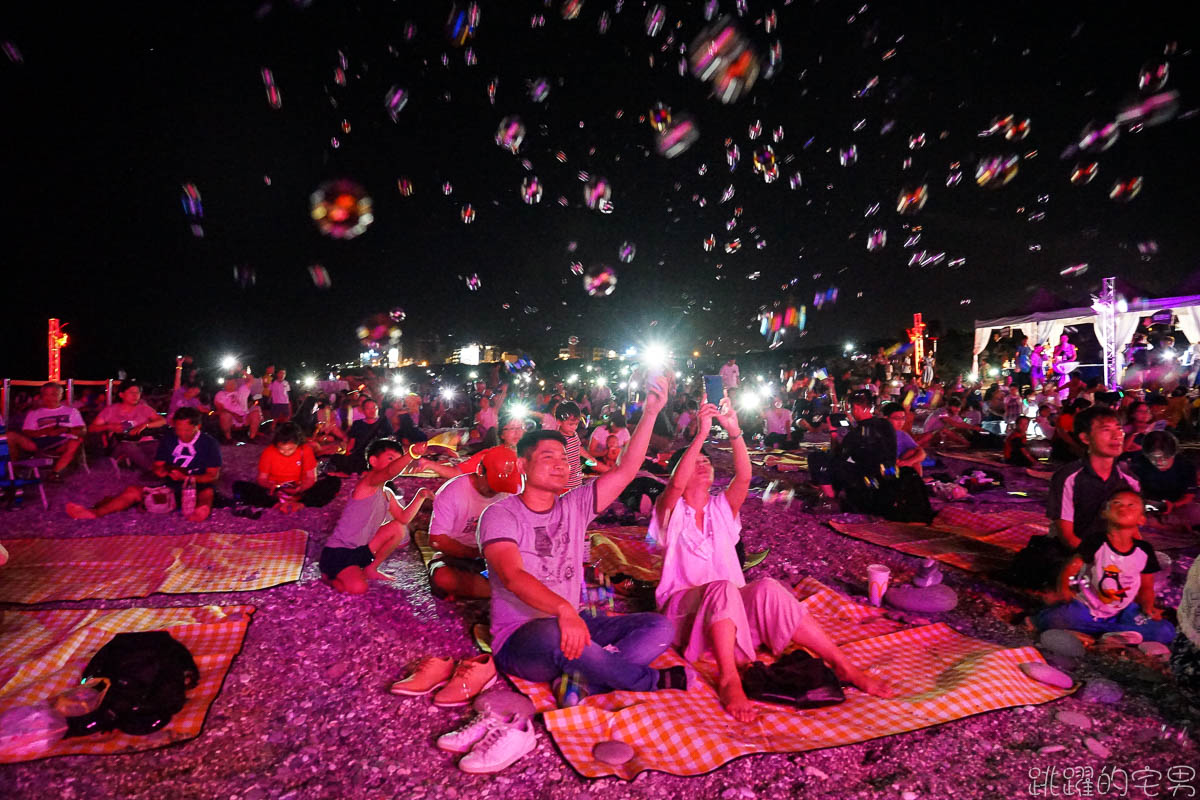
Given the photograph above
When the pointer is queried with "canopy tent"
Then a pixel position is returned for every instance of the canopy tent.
(1046, 326)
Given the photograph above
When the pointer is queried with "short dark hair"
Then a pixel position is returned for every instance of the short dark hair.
(126, 385)
(380, 446)
(1160, 442)
(890, 408)
(1086, 419)
(954, 401)
(189, 414)
(566, 410)
(288, 433)
(532, 439)
(54, 384)
(863, 399)
(673, 461)
(617, 420)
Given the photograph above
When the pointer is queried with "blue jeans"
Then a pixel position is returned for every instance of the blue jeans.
(1076, 616)
(616, 659)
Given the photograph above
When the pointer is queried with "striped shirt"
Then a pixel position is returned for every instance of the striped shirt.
(574, 446)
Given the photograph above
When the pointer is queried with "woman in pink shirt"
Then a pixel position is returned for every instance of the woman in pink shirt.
(703, 590)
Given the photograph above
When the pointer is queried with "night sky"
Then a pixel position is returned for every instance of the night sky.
(111, 108)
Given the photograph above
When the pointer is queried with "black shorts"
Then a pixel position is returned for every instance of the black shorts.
(476, 566)
(44, 443)
(335, 559)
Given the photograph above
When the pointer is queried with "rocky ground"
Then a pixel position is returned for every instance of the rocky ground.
(305, 711)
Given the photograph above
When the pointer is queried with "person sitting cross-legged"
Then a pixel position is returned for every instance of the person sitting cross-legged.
(183, 452)
(287, 475)
(703, 590)
(234, 411)
(533, 543)
(128, 425)
(1115, 576)
(373, 523)
(49, 429)
(456, 569)
(363, 431)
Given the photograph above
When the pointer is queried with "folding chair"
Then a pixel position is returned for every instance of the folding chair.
(13, 483)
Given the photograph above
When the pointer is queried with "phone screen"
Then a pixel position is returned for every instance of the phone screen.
(821, 374)
(714, 388)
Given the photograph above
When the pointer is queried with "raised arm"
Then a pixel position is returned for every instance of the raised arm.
(686, 466)
(611, 484)
(735, 495)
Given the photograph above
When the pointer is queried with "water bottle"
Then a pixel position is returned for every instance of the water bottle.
(187, 505)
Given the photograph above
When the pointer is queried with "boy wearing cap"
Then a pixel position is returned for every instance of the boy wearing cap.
(456, 569)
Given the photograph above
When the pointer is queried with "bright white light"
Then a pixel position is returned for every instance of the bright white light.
(383, 389)
(228, 363)
(759, 378)
(631, 351)
(632, 385)
(398, 389)
(766, 394)
(749, 400)
(849, 346)
(589, 367)
(572, 379)
(625, 370)
(447, 393)
(678, 374)
(518, 410)
(654, 357)
(472, 375)
(994, 371)
(601, 380)
(622, 386)
(974, 376)
(398, 378)
(310, 382)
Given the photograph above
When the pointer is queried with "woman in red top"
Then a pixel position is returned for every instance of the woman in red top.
(287, 475)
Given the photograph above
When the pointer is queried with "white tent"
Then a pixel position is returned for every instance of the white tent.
(1046, 326)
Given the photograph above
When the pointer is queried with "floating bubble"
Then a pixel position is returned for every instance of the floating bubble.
(764, 159)
(274, 98)
(731, 223)
(245, 276)
(320, 276)
(576, 268)
(604, 21)
(605, 206)
(596, 194)
(377, 329)
(872, 210)
(733, 246)
(468, 214)
(531, 190)
(1073, 270)
(571, 9)
(473, 282)
(405, 186)
(397, 315)
(1017, 130)
(755, 129)
(678, 136)
(1153, 76)
(916, 141)
(912, 199)
(510, 133)
(539, 89)
(774, 58)
(341, 209)
(1096, 137)
(795, 182)
(710, 243)
(956, 262)
(876, 240)
(655, 20)
(1125, 190)
(1084, 173)
(461, 23)
(953, 178)
(600, 280)
(996, 171)
(848, 155)
(1148, 248)
(627, 251)
(1151, 111)
(660, 117)
(732, 154)
(190, 198)
(395, 101)
(722, 57)
(561, 156)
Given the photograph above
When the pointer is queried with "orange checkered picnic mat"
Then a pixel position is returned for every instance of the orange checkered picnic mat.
(625, 551)
(113, 567)
(45, 652)
(942, 676)
(968, 540)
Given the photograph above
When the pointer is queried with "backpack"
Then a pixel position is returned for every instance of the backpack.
(867, 466)
(150, 673)
(797, 679)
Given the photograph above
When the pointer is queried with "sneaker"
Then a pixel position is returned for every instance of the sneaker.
(427, 674)
(471, 676)
(500, 748)
(469, 735)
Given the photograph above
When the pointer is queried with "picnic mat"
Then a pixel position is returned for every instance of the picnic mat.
(424, 548)
(942, 676)
(625, 551)
(44, 653)
(965, 539)
(113, 567)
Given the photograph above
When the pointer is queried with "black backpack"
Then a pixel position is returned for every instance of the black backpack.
(797, 679)
(867, 466)
(150, 673)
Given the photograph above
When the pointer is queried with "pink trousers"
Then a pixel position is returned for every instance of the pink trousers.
(764, 612)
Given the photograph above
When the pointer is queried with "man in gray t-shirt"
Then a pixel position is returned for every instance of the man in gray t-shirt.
(533, 543)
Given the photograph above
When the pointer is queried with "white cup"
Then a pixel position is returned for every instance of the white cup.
(877, 582)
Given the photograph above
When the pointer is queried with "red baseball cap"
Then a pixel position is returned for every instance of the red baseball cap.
(499, 466)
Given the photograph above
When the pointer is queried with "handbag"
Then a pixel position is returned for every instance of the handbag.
(797, 679)
(159, 500)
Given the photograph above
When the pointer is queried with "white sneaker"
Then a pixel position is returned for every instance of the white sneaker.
(469, 735)
(500, 748)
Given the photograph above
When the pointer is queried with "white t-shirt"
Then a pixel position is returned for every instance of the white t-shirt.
(779, 420)
(234, 402)
(729, 377)
(695, 557)
(549, 422)
(456, 509)
(1113, 577)
(488, 418)
(279, 392)
(598, 443)
(63, 416)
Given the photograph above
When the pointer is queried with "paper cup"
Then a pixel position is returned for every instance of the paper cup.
(877, 582)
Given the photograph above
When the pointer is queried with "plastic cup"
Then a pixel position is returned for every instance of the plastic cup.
(877, 582)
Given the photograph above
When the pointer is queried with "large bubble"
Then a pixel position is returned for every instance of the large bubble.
(1125, 190)
(912, 199)
(1153, 75)
(680, 134)
(876, 240)
(531, 190)
(341, 209)
(996, 171)
(378, 329)
(510, 133)
(600, 280)
(627, 251)
(1083, 173)
(721, 56)
(597, 193)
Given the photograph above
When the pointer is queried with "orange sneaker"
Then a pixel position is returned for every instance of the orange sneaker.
(471, 676)
(427, 674)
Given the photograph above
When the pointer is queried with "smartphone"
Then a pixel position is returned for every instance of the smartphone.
(821, 374)
(714, 388)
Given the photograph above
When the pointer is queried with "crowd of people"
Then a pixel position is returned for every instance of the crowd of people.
(532, 468)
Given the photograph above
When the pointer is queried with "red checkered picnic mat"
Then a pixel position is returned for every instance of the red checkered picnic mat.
(942, 675)
(965, 539)
(625, 551)
(45, 652)
(113, 567)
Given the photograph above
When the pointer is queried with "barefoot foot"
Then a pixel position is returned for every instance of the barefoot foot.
(200, 514)
(734, 699)
(76, 511)
(871, 684)
(372, 573)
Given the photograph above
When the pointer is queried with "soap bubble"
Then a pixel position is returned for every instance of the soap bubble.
(681, 134)
(912, 199)
(1017, 130)
(461, 23)
(405, 186)
(571, 9)
(848, 155)
(1073, 270)
(447, 188)
(721, 56)
(531, 190)
(876, 240)
(510, 133)
(596, 193)
(320, 276)
(245, 276)
(764, 159)
(660, 117)
(916, 141)
(996, 171)
(1125, 190)
(627, 251)
(539, 89)
(576, 268)
(273, 95)
(468, 214)
(732, 154)
(395, 101)
(655, 20)
(473, 282)
(795, 182)
(190, 198)
(755, 129)
(733, 246)
(1153, 110)
(1153, 76)
(1096, 137)
(341, 209)
(600, 280)
(397, 315)
(378, 329)
(1084, 173)
(710, 243)
(777, 134)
